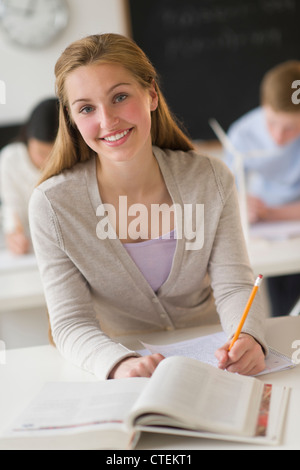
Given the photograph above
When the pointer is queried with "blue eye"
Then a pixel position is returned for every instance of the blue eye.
(86, 109)
(120, 98)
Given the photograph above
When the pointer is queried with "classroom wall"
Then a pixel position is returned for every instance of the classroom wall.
(28, 74)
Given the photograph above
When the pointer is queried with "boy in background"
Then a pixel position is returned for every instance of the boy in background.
(272, 133)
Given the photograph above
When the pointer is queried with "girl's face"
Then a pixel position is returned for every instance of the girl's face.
(111, 110)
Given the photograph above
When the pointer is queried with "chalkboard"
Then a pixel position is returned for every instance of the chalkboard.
(212, 54)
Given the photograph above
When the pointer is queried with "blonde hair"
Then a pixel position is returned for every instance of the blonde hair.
(276, 86)
(69, 147)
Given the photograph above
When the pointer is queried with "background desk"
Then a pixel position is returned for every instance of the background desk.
(20, 282)
(23, 313)
(275, 258)
(26, 370)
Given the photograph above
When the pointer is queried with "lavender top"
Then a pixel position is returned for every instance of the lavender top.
(154, 258)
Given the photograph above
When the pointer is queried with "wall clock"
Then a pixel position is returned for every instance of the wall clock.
(33, 23)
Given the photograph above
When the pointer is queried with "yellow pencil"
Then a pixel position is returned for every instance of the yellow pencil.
(247, 309)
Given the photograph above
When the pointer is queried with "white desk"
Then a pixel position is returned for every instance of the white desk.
(275, 258)
(20, 282)
(21, 290)
(23, 313)
(26, 370)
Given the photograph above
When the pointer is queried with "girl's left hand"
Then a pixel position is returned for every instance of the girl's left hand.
(246, 356)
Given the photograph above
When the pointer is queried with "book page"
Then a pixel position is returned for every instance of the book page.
(73, 407)
(198, 396)
(269, 426)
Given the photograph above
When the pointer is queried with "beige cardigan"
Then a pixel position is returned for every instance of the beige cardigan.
(94, 289)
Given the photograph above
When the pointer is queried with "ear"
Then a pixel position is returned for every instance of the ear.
(153, 96)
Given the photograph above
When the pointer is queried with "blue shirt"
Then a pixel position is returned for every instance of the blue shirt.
(272, 171)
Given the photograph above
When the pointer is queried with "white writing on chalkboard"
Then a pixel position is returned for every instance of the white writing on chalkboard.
(188, 28)
(189, 16)
(181, 46)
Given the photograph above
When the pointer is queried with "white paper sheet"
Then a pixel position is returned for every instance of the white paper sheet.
(204, 347)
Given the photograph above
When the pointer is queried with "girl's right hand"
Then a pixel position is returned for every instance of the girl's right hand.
(136, 367)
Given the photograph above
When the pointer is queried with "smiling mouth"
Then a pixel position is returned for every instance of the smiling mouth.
(116, 137)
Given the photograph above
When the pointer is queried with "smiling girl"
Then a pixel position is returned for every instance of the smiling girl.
(117, 138)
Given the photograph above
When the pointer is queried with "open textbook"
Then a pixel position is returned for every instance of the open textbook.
(203, 349)
(184, 396)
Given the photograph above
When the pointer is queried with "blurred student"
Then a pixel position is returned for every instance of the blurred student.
(272, 133)
(21, 165)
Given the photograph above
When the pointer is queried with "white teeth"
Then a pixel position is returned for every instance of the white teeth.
(114, 138)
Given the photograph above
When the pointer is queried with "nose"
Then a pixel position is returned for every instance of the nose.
(107, 118)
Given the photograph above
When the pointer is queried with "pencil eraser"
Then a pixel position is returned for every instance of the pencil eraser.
(258, 280)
